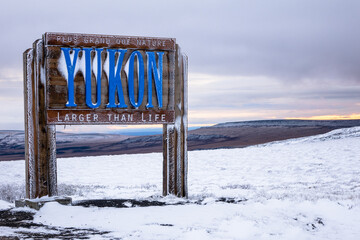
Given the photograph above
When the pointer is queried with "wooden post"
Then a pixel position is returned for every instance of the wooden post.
(184, 120)
(42, 130)
(51, 156)
(30, 124)
(174, 135)
(169, 172)
(40, 143)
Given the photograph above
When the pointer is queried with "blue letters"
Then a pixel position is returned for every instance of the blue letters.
(70, 68)
(157, 78)
(154, 71)
(131, 79)
(115, 79)
(88, 74)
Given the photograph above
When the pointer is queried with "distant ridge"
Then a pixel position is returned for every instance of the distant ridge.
(222, 135)
(293, 123)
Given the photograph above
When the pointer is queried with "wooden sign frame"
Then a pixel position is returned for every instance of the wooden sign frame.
(45, 106)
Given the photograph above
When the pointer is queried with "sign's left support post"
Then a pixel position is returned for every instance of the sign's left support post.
(30, 125)
(40, 138)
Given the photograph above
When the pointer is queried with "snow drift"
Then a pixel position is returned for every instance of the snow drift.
(306, 188)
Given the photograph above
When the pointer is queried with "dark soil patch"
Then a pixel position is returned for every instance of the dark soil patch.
(118, 203)
(23, 220)
(231, 200)
(127, 203)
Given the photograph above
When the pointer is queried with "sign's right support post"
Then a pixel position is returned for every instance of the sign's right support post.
(175, 164)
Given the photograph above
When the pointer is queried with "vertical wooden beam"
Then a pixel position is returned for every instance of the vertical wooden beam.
(184, 118)
(44, 144)
(165, 162)
(40, 140)
(179, 128)
(169, 177)
(30, 124)
(52, 177)
(42, 131)
(174, 135)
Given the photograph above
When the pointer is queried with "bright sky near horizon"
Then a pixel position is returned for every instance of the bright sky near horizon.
(248, 60)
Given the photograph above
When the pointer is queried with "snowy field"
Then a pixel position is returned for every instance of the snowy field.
(307, 188)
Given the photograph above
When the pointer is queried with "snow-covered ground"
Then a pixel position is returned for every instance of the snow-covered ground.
(307, 188)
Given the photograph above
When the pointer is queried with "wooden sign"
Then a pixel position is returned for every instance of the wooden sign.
(97, 79)
(77, 79)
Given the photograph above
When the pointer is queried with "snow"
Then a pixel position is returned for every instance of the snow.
(306, 188)
(5, 205)
(273, 219)
(80, 64)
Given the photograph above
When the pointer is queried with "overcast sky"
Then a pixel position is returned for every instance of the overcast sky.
(248, 60)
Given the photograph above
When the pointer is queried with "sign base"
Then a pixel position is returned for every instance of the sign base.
(37, 203)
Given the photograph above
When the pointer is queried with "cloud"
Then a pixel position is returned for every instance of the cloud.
(216, 91)
(258, 59)
(217, 98)
(289, 40)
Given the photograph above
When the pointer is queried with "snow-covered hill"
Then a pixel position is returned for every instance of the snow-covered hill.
(307, 188)
(337, 134)
(223, 135)
(292, 123)
(14, 139)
